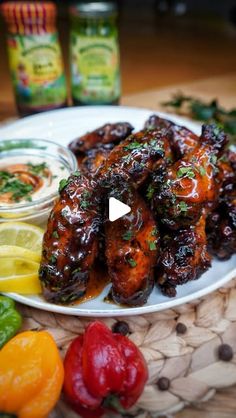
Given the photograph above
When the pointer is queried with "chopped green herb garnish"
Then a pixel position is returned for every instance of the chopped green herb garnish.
(85, 203)
(185, 172)
(10, 183)
(152, 245)
(150, 192)
(37, 169)
(154, 231)
(128, 235)
(55, 234)
(156, 146)
(224, 158)
(86, 194)
(53, 259)
(132, 262)
(77, 173)
(5, 175)
(213, 159)
(63, 183)
(182, 206)
(169, 160)
(133, 145)
(202, 171)
(127, 158)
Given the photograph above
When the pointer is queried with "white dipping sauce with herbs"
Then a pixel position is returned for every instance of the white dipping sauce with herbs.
(29, 178)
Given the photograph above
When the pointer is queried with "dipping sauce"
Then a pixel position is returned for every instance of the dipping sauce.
(30, 175)
(27, 179)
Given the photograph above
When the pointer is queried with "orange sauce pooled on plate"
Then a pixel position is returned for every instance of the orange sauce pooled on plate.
(97, 281)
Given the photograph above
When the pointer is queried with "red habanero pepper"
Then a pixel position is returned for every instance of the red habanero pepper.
(103, 361)
(103, 371)
(136, 371)
(74, 387)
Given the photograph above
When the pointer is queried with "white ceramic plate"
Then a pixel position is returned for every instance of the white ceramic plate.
(63, 126)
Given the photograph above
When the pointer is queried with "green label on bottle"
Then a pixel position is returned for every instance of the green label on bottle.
(37, 70)
(95, 70)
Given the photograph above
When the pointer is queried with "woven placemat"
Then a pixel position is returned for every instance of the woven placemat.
(181, 347)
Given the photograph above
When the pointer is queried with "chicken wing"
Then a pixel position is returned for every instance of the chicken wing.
(221, 223)
(155, 122)
(180, 193)
(183, 257)
(137, 156)
(70, 244)
(94, 158)
(132, 244)
(111, 132)
(182, 140)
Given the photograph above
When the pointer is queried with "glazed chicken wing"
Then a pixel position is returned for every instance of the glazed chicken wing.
(221, 223)
(137, 156)
(181, 192)
(111, 132)
(221, 229)
(183, 257)
(181, 139)
(94, 158)
(132, 244)
(226, 172)
(155, 122)
(70, 243)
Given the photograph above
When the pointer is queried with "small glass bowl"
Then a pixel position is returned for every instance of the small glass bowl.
(36, 211)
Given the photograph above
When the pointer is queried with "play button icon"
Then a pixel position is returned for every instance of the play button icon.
(117, 209)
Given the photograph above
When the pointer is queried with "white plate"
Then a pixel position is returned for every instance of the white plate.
(63, 126)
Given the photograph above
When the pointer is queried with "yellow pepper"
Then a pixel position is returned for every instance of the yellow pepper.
(31, 375)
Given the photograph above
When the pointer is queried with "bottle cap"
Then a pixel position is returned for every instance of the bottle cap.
(94, 9)
(29, 17)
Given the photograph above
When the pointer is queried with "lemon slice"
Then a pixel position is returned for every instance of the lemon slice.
(20, 254)
(26, 285)
(19, 275)
(22, 235)
(12, 252)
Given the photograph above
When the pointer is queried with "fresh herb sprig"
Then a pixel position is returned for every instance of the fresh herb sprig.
(206, 112)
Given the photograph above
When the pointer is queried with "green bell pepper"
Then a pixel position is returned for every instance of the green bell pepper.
(10, 319)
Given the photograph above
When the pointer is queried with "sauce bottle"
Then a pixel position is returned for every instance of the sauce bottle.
(35, 57)
(94, 54)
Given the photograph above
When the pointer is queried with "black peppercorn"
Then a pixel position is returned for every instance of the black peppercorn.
(163, 383)
(181, 328)
(225, 352)
(121, 327)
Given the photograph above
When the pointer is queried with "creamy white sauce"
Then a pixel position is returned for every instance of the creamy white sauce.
(50, 183)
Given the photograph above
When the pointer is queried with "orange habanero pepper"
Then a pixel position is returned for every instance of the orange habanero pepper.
(31, 375)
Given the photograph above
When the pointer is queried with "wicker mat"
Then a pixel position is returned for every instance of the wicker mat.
(190, 350)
